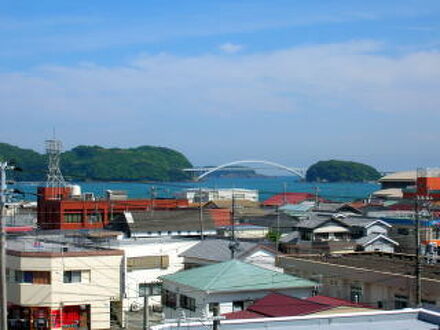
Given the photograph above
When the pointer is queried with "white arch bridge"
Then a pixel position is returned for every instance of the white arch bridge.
(301, 172)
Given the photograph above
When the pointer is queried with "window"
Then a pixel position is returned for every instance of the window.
(169, 299)
(400, 301)
(33, 277)
(147, 262)
(187, 303)
(356, 294)
(150, 289)
(72, 217)
(72, 276)
(213, 306)
(96, 217)
(237, 306)
(306, 236)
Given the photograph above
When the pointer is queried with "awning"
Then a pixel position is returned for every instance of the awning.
(331, 229)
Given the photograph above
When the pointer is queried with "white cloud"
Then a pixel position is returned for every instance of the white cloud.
(230, 48)
(314, 79)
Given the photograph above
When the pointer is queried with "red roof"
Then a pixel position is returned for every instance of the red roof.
(242, 315)
(335, 302)
(221, 217)
(275, 304)
(287, 198)
(18, 229)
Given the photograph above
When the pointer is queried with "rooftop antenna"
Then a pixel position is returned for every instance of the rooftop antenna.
(54, 177)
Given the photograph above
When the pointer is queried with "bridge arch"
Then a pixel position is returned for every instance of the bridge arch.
(294, 171)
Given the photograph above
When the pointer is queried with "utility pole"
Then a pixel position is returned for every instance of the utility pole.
(146, 320)
(317, 197)
(233, 245)
(284, 193)
(3, 289)
(420, 202)
(277, 237)
(152, 197)
(216, 321)
(418, 270)
(201, 214)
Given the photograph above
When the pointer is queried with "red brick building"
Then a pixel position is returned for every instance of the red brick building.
(57, 209)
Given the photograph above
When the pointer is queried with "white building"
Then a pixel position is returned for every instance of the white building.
(228, 286)
(147, 260)
(208, 194)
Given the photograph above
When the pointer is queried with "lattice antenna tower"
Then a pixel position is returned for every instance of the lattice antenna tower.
(54, 176)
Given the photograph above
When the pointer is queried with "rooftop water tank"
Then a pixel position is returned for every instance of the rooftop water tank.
(75, 191)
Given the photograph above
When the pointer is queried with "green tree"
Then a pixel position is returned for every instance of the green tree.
(339, 170)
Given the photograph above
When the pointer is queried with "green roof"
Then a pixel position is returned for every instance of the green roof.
(235, 275)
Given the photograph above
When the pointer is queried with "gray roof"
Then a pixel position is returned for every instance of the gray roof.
(336, 207)
(164, 220)
(316, 221)
(370, 238)
(328, 207)
(360, 222)
(217, 250)
(292, 237)
(271, 221)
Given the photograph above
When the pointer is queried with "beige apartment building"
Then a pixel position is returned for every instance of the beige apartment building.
(53, 285)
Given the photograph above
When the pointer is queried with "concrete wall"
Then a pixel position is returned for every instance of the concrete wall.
(147, 247)
(377, 286)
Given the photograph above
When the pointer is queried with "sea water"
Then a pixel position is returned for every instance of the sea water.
(267, 186)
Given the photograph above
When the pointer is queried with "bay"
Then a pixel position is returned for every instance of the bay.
(267, 186)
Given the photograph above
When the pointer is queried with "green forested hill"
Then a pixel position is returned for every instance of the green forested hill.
(98, 163)
(339, 170)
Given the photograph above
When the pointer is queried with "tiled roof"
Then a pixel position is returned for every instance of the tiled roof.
(275, 305)
(272, 221)
(216, 250)
(366, 240)
(235, 275)
(242, 315)
(287, 198)
(363, 222)
(163, 220)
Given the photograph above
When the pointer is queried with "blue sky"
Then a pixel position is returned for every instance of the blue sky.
(282, 80)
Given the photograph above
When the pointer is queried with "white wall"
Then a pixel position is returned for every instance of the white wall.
(152, 247)
(221, 194)
(380, 245)
(377, 229)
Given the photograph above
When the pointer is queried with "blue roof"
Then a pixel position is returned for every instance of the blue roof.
(410, 222)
